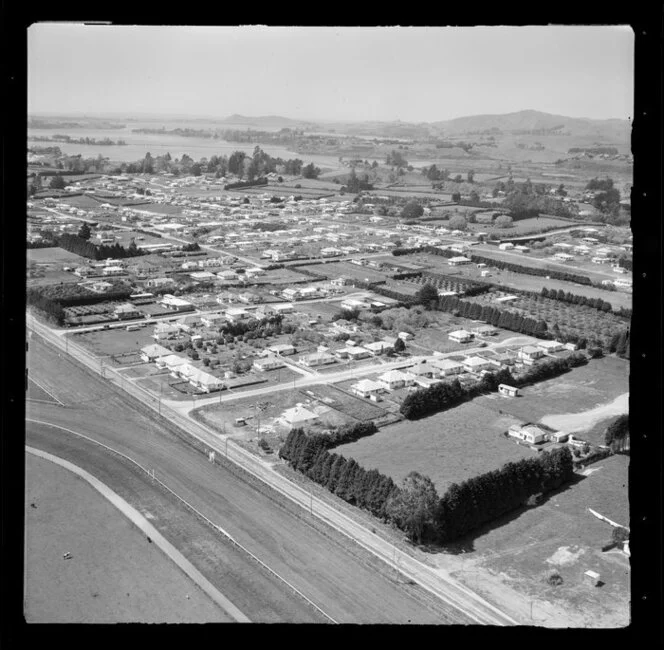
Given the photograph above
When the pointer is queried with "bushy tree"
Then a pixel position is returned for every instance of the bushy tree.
(458, 222)
(413, 508)
(412, 210)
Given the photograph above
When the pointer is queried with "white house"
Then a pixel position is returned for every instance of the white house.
(317, 359)
(529, 353)
(379, 347)
(508, 391)
(458, 261)
(460, 336)
(214, 319)
(235, 314)
(563, 257)
(367, 388)
(394, 379)
(506, 246)
(476, 364)
(175, 304)
(282, 349)
(298, 416)
(447, 367)
(551, 346)
(271, 362)
(529, 433)
(485, 330)
(163, 331)
(171, 362)
(151, 352)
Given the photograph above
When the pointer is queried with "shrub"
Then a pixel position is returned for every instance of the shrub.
(554, 579)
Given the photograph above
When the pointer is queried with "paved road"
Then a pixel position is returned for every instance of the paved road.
(346, 582)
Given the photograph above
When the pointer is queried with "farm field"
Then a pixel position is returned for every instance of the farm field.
(83, 201)
(114, 575)
(114, 341)
(521, 227)
(354, 271)
(560, 534)
(448, 447)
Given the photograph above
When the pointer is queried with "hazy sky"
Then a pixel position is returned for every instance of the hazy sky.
(407, 73)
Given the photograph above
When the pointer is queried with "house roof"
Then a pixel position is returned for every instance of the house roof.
(530, 349)
(392, 375)
(172, 360)
(446, 364)
(367, 385)
(474, 361)
(155, 350)
(298, 414)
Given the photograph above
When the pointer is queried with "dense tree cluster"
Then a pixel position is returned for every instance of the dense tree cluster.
(310, 171)
(355, 184)
(240, 184)
(51, 309)
(412, 210)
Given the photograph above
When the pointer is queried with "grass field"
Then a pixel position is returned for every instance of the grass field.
(114, 575)
(521, 227)
(562, 535)
(54, 256)
(37, 393)
(448, 447)
(115, 341)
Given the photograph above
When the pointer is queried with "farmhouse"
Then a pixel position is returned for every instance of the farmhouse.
(529, 433)
(394, 379)
(271, 362)
(367, 388)
(460, 336)
(151, 352)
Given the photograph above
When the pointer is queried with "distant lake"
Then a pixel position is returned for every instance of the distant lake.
(138, 144)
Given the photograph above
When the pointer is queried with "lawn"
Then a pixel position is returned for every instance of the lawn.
(38, 394)
(448, 447)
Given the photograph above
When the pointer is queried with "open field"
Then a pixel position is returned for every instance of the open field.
(561, 535)
(114, 574)
(37, 393)
(354, 271)
(162, 208)
(521, 227)
(115, 341)
(448, 447)
(55, 255)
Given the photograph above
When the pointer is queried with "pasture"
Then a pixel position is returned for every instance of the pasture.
(55, 255)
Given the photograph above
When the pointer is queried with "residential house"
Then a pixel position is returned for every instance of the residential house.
(367, 388)
(175, 304)
(126, 311)
(424, 370)
(529, 354)
(460, 336)
(551, 346)
(188, 323)
(458, 261)
(379, 347)
(298, 416)
(151, 352)
(447, 367)
(283, 308)
(394, 379)
(164, 331)
(529, 433)
(476, 364)
(317, 359)
(485, 330)
(237, 314)
(214, 319)
(171, 362)
(271, 362)
(282, 349)
(506, 246)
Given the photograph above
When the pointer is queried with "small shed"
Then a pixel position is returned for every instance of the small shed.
(592, 578)
(508, 391)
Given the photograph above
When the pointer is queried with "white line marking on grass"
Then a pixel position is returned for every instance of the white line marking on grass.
(48, 392)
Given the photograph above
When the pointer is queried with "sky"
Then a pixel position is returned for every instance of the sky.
(412, 74)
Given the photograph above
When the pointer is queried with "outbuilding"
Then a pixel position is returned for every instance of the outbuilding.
(508, 391)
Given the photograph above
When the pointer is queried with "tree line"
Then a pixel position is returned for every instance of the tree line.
(444, 395)
(574, 299)
(415, 507)
(616, 436)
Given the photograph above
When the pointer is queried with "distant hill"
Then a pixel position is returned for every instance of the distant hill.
(264, 120)
(536, 121)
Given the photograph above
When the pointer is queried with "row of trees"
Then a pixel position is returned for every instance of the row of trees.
(569, 297)
(415, 506)
(50, 309)
(369, 490)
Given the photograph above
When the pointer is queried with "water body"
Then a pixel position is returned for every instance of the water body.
(138, 144)
(572, 422)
